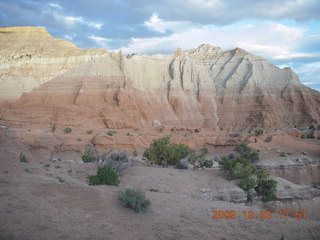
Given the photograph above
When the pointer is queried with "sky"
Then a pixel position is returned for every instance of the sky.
(286, 32)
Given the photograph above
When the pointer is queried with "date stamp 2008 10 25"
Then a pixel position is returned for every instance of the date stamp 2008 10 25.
(232, 214)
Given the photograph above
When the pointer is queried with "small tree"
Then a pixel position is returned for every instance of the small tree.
(248, 184)
(266, 188)
(105, 176)
(246, 152)
(236, 167)
(161, 153)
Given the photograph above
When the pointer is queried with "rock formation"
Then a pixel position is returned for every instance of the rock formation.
(204, 87)
(30, 56)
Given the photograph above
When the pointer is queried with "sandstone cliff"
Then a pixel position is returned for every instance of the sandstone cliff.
(30, 56)
(204, 87)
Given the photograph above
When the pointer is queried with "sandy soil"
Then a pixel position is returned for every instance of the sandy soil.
(49, 199)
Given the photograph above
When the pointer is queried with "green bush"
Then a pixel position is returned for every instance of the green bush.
(134, 199)
(248, 184)
(311, 135)
(206, 163)
(258, 132)
(111, 132)
(311, 127)
(53, 128)
(243, 168)
(266, 188)
(235, 168)
(246, 152)
(89, 132)
(282, 154)
(88, 156)
(105, 176)
(23, 158)
(67, 130)
(303, 136)
(161, 153)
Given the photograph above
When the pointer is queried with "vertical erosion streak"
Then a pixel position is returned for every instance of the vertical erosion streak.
(77, 93)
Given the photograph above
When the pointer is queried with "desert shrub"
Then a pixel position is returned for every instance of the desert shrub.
(53, 128)
(134, 199)
(204, 151)
(246, 152)
(105, 176)
(311, 135)
(153, 190)
(303, 136)
(316, 185)
(161, 153)
(266, 188)
(258, 132)
(88, 156)
(67, 130)
(89, 132)
(206, 163)
(216, 158)
(282, 154)
(79, 139)
(198, 157)
(118, 160)
(248, 184)
(182, 165)
(23, 158)
(111, 132)
(236, 168)
(243, 168)
(311, 127)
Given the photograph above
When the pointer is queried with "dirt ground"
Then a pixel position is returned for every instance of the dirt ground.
(50, 199)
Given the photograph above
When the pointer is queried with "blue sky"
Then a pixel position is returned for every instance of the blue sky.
(286, 32)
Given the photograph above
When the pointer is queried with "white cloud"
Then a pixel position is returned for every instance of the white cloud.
(70, 21)
(268, 39)
(157, 24)
(55, 5)
(101, 41)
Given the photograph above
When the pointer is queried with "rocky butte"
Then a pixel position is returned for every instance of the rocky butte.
(56, 100)
(204, 87)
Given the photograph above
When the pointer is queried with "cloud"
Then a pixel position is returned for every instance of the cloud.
(71, 20)
(157, 24)
(55, 5)
(268, 39)
(101, 41)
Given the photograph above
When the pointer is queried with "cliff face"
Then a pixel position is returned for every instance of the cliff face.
(204, 87)
(30, 56)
